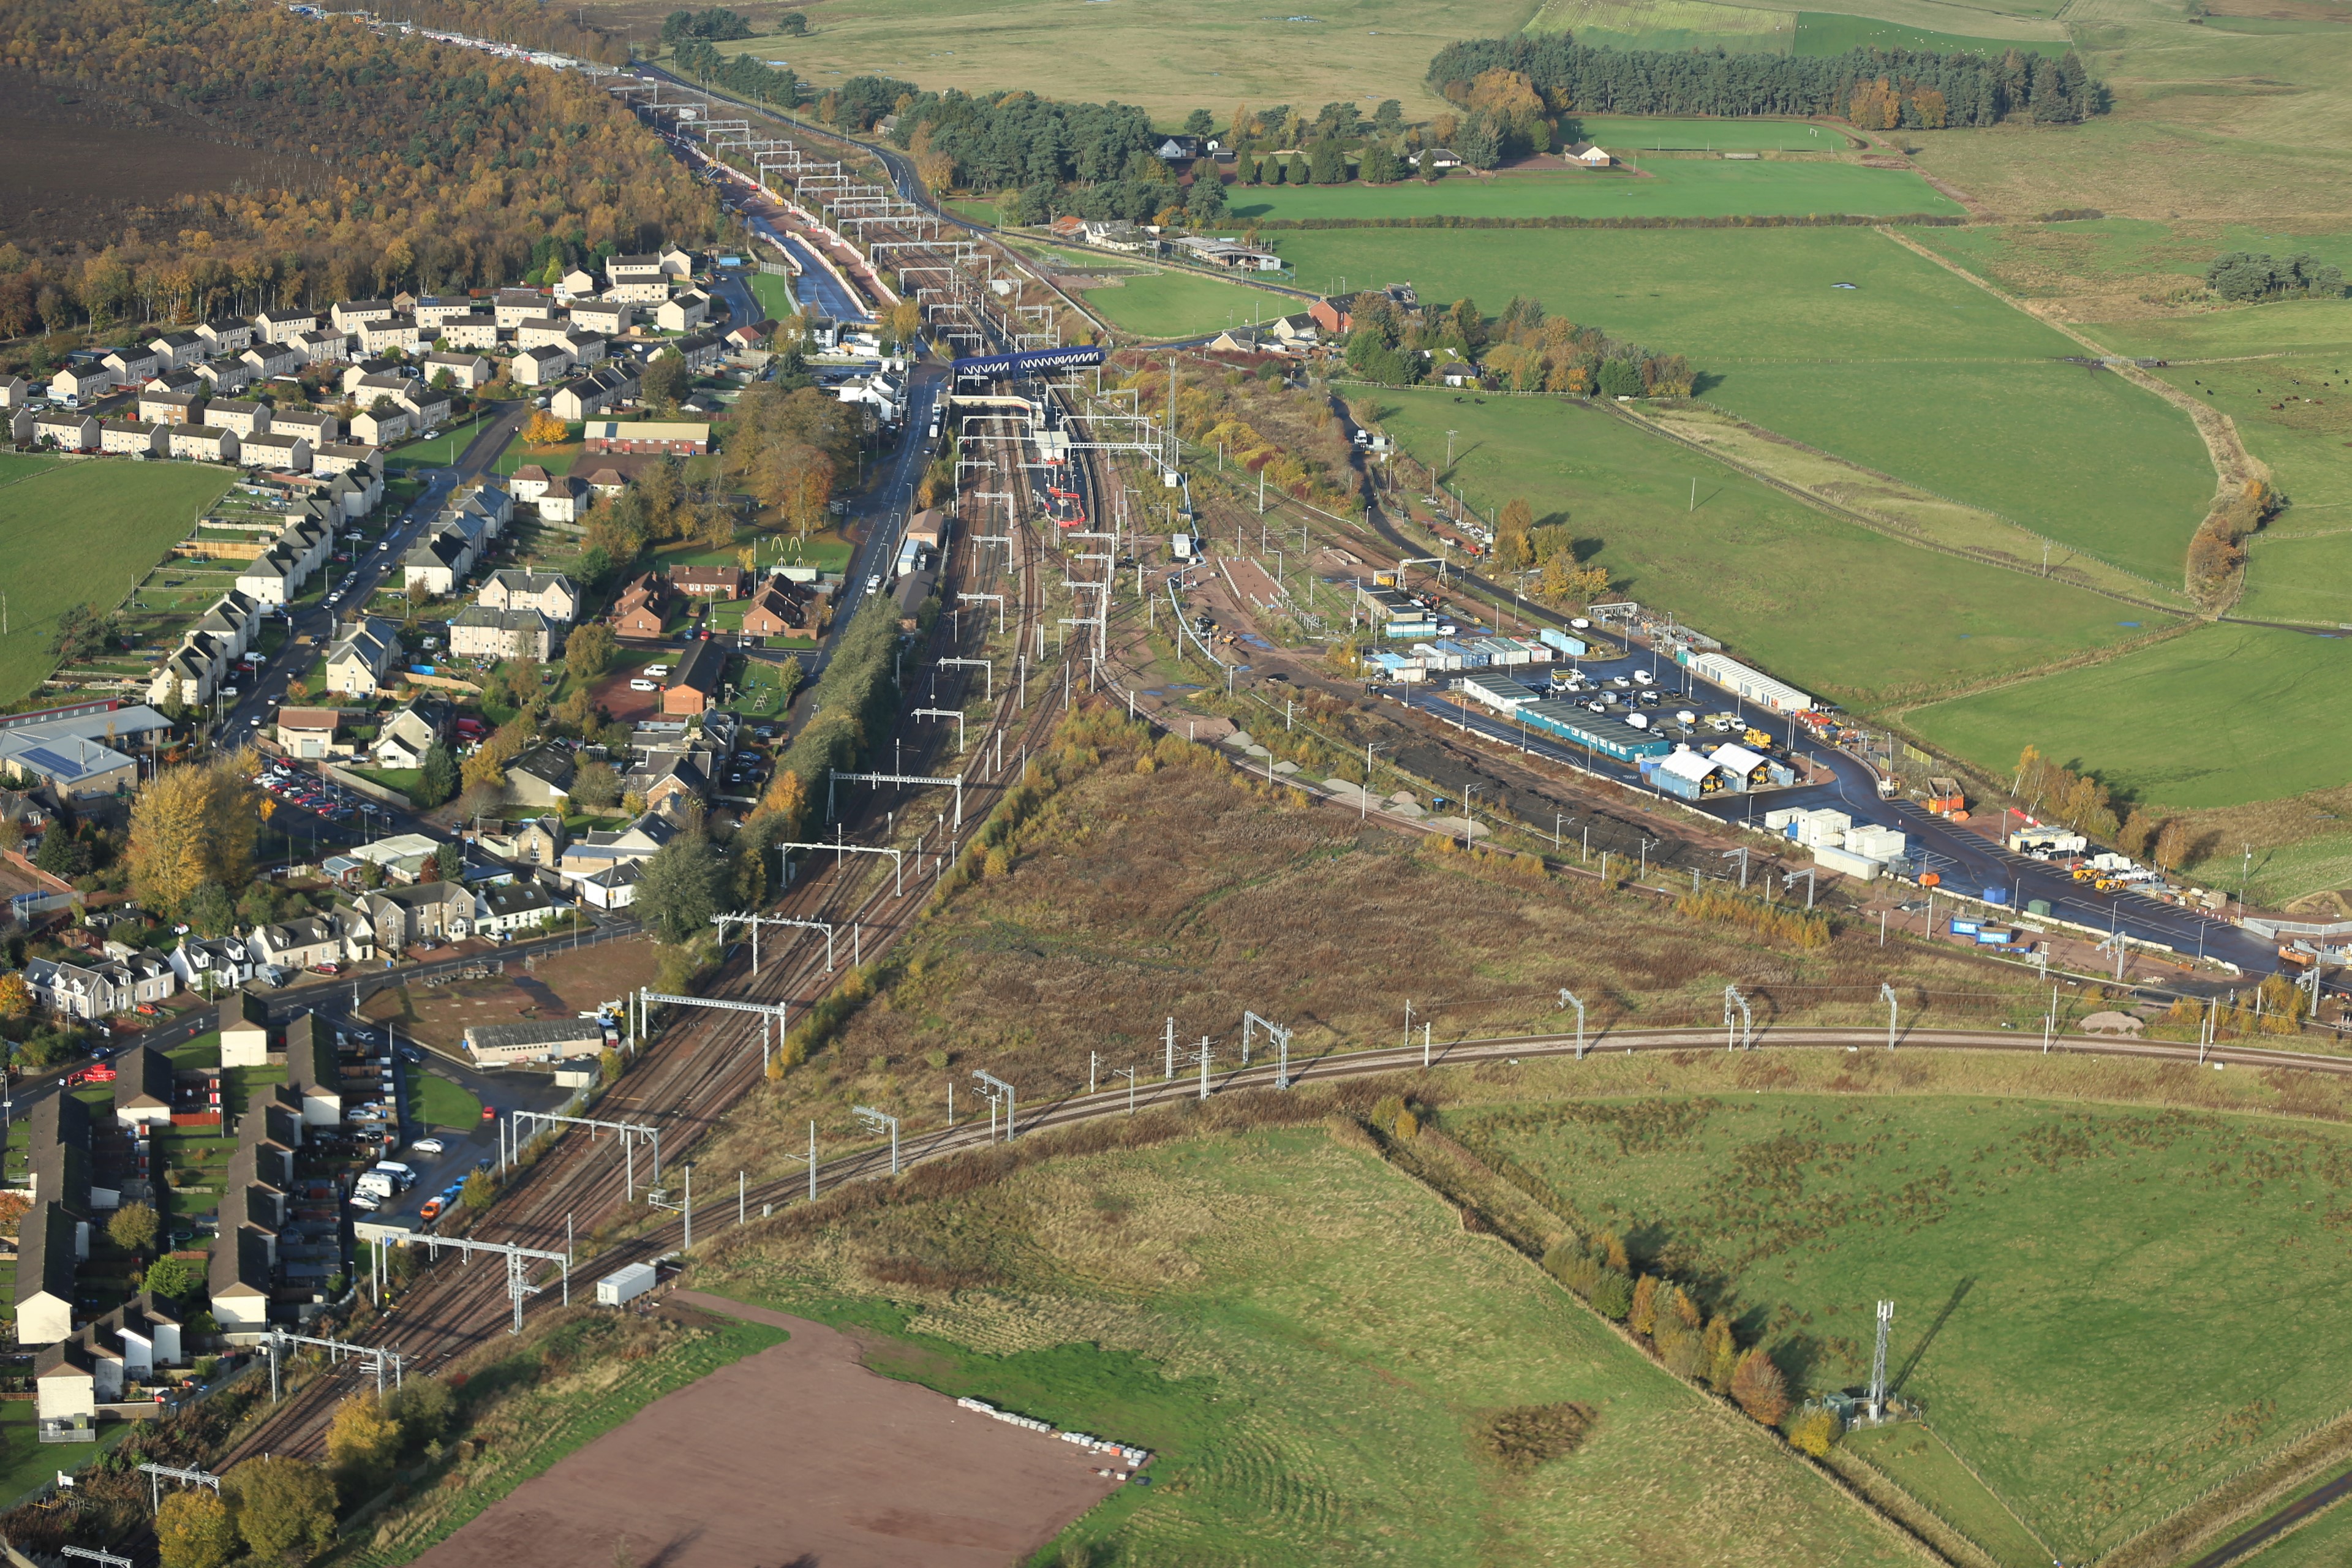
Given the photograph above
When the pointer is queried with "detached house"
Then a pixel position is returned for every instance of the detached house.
(683, 312)
(77, 383)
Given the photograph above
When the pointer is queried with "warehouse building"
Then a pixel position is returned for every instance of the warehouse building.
(1686, 776)
(1747, 685)
(1606, 736)
(551, 1039)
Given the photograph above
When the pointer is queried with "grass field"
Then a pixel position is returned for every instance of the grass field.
(1747, 565)
(1172, 304)
(1669, 187)
(2222, 715)
(1305, 1338)
(1202, 53)
(1832, 32)
(86, 531)
(1633, 134)
(2109, 265)
(15, 466)
(1913, 372)
(2037, 1253)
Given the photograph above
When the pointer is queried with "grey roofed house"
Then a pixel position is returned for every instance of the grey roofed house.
(313, 1071)
(239, 1278)
(142, 1086)
(48, 1255)
(541, 776)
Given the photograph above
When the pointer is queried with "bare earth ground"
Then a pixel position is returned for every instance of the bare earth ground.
(797, 1457)
(559, 985)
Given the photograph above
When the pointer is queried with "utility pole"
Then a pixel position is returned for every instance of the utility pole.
(1894, 1011)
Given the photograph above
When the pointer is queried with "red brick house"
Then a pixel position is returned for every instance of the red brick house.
(1332, 316)
(642, 608)
(677, 440)
(713, 582)
(781, 609)
(694, 684)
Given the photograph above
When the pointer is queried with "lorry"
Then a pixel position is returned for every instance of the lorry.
(625, 1285)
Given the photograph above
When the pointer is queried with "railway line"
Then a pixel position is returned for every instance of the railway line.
(696, 1066)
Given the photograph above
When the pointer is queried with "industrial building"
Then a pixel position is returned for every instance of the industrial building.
(1609, 737)
(1747, 685)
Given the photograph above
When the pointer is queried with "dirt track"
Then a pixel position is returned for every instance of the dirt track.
(796, 1458)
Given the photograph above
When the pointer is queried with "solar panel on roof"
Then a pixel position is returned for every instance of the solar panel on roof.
(48, 761)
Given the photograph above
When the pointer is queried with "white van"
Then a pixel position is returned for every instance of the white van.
(643, 686)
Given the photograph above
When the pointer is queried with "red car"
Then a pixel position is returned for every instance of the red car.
(488, 1114)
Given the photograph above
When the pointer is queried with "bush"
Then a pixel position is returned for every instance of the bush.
(1815, 1430)
(1613, 1297)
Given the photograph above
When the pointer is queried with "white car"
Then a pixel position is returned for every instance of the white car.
(426, 1146)
(364, 1201)
(874, 582)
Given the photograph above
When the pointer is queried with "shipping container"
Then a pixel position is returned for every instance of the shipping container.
(1996, 895)
(1575, 647)
(1966, 928)
(624, 1284)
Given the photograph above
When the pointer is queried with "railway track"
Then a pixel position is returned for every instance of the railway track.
(699, 1066)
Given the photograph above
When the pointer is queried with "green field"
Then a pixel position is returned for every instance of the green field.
(1832, 32)
(1305, 1339)
(1172, 304)
(1637, 133)
(2095, 255)
(15, 466)
(1670, 187)
(1749, 565)
(1679, 24)
(2221, 716)
(1168, 59)
(2059, 1296)
(1913, 372)
(86, 531)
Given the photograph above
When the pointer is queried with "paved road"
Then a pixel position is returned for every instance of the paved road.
(258, 696)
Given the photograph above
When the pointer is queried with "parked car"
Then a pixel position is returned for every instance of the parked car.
(432, 1210)
(426, 1146)
(643, 685)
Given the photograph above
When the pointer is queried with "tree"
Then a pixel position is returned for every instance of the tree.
(679, 888)
(2171, 850)
(596, 786)
(1200, 123)
(1815, 1430)
(61, 853)
(1643, 1316)
(362, 1440)
(15, 999)
(210, 912)
(544, 430)
(285, 1509)
(133, 1227)
(81, 633)
(1206, 205)
(479, 1193)
(176, 1279)
(1619, 378)
(665, 381)
(1327, 162)
(437, 778)
(1389, 117)
(787, 800)
(1479, 142)
(1511, 531)
(1759, 1387)
(448, 861)
(194, 1530)
(1612, 1296)
(792, 23)
(192, 824)
(1721, 1350)
(421, 1405)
